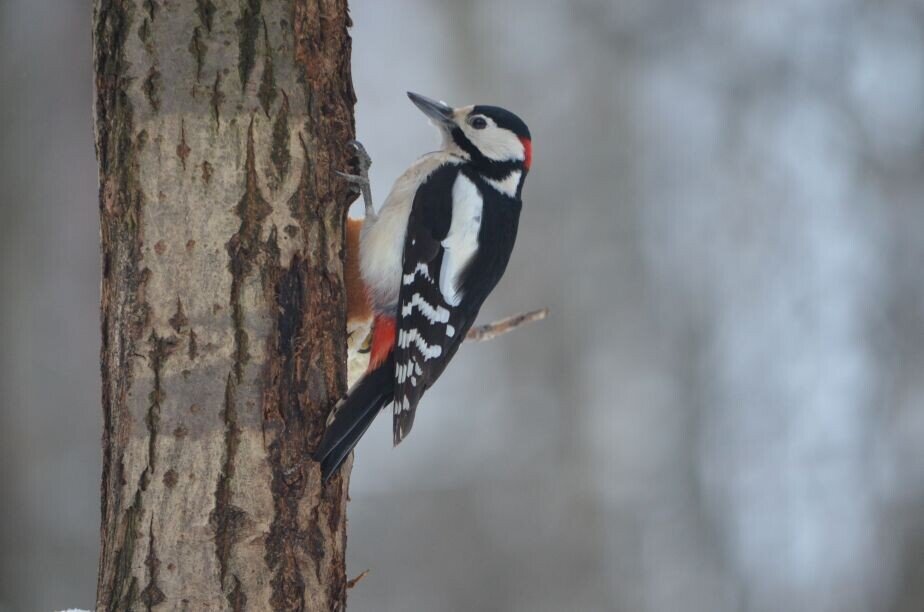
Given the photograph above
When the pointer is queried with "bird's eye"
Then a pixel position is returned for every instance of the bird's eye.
(478, 123)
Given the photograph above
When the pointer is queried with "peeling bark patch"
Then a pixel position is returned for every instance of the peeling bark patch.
(151, 88)
(287, 452)
(290, 292)
(316, 541)
(124, 311)
(206, 12)
(160, 247)
(152, 595)
(248, 28)
(267, 92)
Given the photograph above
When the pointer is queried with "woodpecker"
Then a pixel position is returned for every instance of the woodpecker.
(436, 249)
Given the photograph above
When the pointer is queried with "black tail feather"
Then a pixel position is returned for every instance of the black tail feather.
(353, 417)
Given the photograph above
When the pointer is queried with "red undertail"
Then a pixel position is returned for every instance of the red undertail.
(384, 330)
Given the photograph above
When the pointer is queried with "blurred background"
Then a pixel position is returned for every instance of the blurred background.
(725, 410)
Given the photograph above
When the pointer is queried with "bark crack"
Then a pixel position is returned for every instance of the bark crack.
(243, 250)
(279, 153)
(227, 519)
(197, 48)
(193, 345)
(248, 27)
(217, 98)
(151, 8)
(151, 88)
(179, 320)
(267, 92)
(205, 9)
(182, 149)
(121, 598)
(160, 350)
(152, 594)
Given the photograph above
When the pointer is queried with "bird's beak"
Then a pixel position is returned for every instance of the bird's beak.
(439, 112)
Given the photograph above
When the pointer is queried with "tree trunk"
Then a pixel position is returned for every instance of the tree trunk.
(219, 124)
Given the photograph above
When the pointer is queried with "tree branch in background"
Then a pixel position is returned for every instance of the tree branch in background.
(499, 328)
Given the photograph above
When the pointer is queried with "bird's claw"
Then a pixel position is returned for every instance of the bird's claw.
(353, 178)
(365, 161)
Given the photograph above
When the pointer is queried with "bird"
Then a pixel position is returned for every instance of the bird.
(427, 261)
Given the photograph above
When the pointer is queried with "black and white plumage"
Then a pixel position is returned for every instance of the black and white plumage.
(429, 259)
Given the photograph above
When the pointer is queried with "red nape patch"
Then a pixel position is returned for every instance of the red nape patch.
(528, 151)
(384, 330)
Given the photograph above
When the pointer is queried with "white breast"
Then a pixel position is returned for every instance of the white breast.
(382, 241)
(461, 242)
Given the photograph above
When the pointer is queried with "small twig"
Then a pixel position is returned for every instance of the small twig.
(498, 328)
(354, 581)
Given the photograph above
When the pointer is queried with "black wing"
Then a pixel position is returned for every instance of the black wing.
(429, 329)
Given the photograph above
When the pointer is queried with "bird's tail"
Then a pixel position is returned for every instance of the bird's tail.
(353, 416)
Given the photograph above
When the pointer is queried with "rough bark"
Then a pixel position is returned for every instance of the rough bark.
(219, 126)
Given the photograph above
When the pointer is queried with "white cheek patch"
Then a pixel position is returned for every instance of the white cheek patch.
(495, 143)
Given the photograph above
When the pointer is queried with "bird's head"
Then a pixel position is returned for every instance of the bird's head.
(490, 136)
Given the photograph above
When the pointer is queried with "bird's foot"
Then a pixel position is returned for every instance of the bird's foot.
(361, 179)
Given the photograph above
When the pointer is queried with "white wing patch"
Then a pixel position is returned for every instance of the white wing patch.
(461, 243)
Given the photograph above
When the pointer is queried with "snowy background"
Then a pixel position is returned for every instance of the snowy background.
(725, 411)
